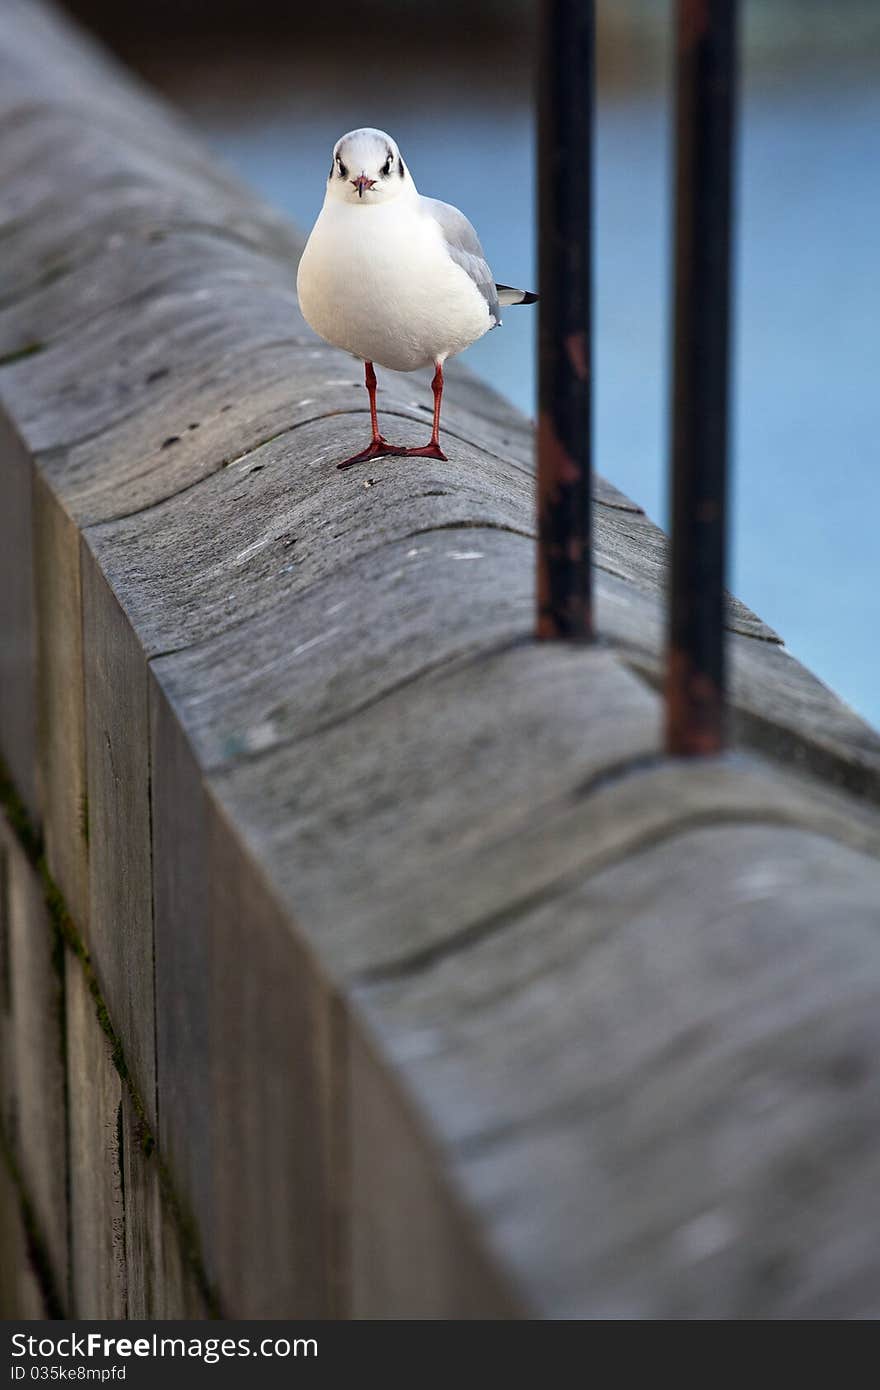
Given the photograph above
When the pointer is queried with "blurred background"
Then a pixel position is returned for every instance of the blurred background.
(273, 83)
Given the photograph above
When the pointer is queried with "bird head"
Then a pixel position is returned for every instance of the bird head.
(367, 168)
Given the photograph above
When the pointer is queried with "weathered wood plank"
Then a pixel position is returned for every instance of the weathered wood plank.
(684, 1047)
(244, 1079)
(52, 73)
(81, 388)
(634, 549)
(272, 1213)
(317, 657)
(368, 785)
(778, 706)
(20, 1294)
(238, 520)
(32, 994)
(144, 1222)
(18, 649)
(382, 823)
(640, 545)
(97, 1210)
(73, 190)
(136, 254)
(120, 926)
(214, 406)
(412, 772)
(181, 1295)
(54, 241)
(401, 1210)
(60, 699)
(182, 964)
(326, 643)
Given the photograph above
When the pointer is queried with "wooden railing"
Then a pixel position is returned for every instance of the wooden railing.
(362, 956)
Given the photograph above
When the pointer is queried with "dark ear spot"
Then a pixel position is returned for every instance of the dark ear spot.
(400, 169)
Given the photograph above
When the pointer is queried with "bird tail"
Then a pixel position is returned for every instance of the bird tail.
(508, 295)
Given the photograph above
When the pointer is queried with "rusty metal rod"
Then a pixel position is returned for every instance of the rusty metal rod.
(706, 76)
(565, 176)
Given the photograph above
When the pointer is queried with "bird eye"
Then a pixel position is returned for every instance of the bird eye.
(386, 168)
(341, 167)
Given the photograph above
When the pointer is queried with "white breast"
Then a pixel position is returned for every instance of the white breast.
(377, 281)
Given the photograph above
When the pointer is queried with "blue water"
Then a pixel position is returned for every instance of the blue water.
(806, 416)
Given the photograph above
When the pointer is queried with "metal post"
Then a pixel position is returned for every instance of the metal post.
(565, 175)
(695, 686)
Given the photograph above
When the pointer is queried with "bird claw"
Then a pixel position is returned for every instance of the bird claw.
(376, 449)
(426, 451)
(379, 448)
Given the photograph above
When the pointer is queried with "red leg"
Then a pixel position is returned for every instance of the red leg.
(370, 383)
(432, 450)
(377, 446)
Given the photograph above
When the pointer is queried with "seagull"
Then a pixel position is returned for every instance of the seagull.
(393, 277)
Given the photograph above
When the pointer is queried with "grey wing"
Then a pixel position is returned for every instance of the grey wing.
(464, 247)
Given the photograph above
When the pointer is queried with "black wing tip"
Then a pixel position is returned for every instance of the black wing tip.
(525, 296)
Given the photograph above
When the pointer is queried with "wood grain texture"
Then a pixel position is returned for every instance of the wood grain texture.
(433, 782)
(146, 1293)
(242, 1053)
(34, 1110)
(270, 1231)
(180, 1291)
(139, 251)
(412, 1252)
(777, 706)
(182, 962)
(627, 543)
(683, 1045)
(20, 1294)
(466, 999)
(97, 1202)
(120, 926)
(18, 649)
(61, 699)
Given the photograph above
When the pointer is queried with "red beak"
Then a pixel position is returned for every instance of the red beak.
(362, 182)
